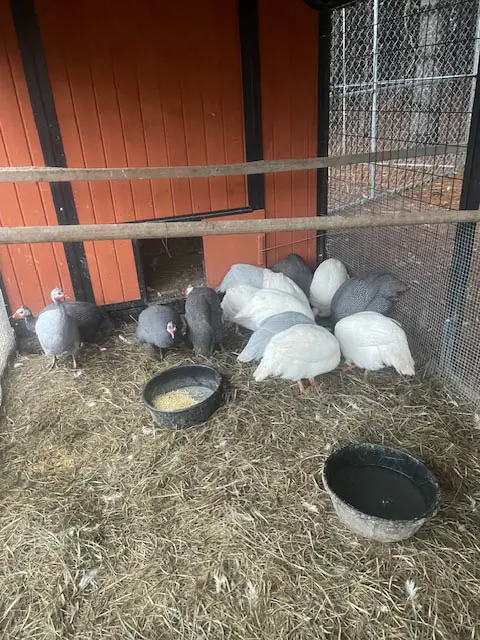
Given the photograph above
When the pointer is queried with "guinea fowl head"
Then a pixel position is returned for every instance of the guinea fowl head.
(171, 328)
(58, 295)
(21, 313)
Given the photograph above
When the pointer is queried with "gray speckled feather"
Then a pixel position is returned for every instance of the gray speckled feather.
(203, 315)
(152, 326)
(295, 268)
(367, 292)
(259, 339)
(57, 332)
(90, 319)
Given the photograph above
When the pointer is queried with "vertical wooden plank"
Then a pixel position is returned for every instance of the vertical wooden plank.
(288, 47)
(223, 251)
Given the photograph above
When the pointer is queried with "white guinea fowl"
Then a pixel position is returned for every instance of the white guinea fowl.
(328, 277)
(56, 331)
(239, 274)
(281, 282)
(259, 339)
(266, 303)
(303, 351)
(371, 341)
(236, 298)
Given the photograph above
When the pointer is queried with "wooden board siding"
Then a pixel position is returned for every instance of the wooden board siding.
(29, 272)
(288, 53)
(223, 251)
(143, 84)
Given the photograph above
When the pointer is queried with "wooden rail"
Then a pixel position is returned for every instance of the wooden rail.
(62, 174)
(142, 230)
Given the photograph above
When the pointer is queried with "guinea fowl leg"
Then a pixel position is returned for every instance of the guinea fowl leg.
(155, 352)
(74, 361)
(312, 382)
(53, 363)
(300, 386)
(349, 367)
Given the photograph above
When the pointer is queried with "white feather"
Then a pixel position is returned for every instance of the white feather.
(281, 282)
(242, 274)
(328, 277)
(303, 351)
(372, 341)
(236, 299)
(266, 303)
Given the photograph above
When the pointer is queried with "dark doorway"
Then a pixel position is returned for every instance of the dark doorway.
(170, 265)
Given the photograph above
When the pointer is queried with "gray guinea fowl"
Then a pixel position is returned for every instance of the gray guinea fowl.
(57, 332)
(367, 292)
(91, 320)
(255, 347)
(203, 315)
(159, 326)
(295, 268)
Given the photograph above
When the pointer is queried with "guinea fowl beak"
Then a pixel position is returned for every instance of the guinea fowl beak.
(172, 333)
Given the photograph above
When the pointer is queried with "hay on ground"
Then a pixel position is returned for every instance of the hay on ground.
(112, 529)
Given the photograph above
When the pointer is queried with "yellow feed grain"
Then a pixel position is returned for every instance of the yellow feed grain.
(174, 400)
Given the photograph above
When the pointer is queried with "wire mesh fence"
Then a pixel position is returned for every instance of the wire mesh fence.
(403, 73)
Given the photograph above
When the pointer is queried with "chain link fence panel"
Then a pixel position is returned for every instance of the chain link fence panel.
(403, 73)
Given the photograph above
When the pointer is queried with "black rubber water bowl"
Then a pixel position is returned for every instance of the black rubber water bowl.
(380, 493)
(203, 386)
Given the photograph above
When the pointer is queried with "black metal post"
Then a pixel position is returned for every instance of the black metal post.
(461, 264)
(323, 121)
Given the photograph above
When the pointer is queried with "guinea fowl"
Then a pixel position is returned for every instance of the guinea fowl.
(303, 351)
(255, 347)
(236, 298)
(269, 302)
(368, 292)
(242, 274)
(90, 319)
(158, 327)
(203, 315)
(258, 278)
(328, 277)
(57, 332)
(295, 268)
(371, 341)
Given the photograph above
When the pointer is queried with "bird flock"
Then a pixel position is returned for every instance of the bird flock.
(302, 323)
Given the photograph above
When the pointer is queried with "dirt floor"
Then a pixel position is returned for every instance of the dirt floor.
(110, 529)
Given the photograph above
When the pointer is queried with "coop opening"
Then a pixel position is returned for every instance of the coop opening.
(170, 264)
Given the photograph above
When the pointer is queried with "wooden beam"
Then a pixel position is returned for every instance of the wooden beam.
(62, 174)
(187, 229)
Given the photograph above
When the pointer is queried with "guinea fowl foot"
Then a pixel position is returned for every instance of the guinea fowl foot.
(349, 367)
(301, 386)
(312, 382)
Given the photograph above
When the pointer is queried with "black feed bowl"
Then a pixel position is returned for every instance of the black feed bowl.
(181, 377)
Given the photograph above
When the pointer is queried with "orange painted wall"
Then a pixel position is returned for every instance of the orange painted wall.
(223, 251)
(29, 272)
(143, 85)
(129, 92)
(288, 33)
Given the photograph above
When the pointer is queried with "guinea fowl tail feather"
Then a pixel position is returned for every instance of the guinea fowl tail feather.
(261, 372)
(400, 358)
